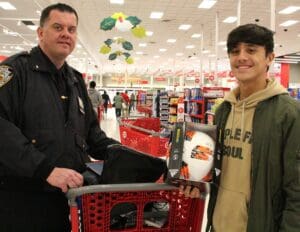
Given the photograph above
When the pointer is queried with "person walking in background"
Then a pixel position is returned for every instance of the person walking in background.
(48, 128)
(118, 100)
(106, 101)
(256, 171)
(132, 102)
(125, 105)
(94, 96)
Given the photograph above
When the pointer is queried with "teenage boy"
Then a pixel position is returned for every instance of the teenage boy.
(257, 159)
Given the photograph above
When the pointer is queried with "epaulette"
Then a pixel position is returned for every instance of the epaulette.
(15, 56)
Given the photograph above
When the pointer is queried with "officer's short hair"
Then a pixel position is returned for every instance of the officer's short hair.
(252, 34)
(58, 6)
(92, 84)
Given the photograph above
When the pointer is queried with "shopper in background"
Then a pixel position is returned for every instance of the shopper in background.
(48, 128)
(118, 100)
(106, 101)
(132, 102)
(257, 162)
(157, 103)
(125, 105)
(94, 96)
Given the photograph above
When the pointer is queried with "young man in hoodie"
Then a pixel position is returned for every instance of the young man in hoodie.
(257, 157)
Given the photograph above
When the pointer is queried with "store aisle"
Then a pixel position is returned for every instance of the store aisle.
(110, 125)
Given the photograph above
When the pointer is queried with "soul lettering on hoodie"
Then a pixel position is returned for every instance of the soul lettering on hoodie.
(236, 134)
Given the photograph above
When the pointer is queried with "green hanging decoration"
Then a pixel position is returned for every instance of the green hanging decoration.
(107, 24)
(112, 56)
(134, 20)
(108, 42)
(127, 46)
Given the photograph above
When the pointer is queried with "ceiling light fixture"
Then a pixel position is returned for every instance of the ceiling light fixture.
(156, 15)
(179, 54)
(207, 4)
(289, 23)
(184, 27)
(171, 40)
(230, 19)
(32, 27)
(289, 10)
(189, 46)
(162, 49)
(142, 45)
(120, 2)
(196, 36)
(149, 33)
(7, 6)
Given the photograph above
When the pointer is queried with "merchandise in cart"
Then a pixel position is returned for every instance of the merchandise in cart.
(93, 209)
(143, 134)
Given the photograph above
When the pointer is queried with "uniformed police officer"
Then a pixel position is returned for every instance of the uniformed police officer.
(47, 126)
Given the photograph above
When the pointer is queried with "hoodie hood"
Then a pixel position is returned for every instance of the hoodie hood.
(273, 88)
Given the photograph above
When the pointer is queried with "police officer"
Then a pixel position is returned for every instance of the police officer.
(47, 126)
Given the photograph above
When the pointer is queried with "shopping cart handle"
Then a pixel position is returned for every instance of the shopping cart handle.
(75, 192)
(151, 132)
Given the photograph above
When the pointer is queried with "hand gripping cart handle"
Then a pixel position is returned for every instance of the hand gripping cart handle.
(90, 207)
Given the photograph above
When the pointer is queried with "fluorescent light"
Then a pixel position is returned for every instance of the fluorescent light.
(171, 40)
(288, 23)
(293, 57)
(207, 4)
(120, 2)
(184, 27)
(32, 27)
(230, 19)
(7, 6)
(156, 57)
(149, 33)
(189, 46)
(156, 15)
(78, 46)
(212, 55)
(179, 54)
(205, 51)
(162, 49)
(289, 10)
(142, 45)
(196, 36)
(222, 43)
(139, 53)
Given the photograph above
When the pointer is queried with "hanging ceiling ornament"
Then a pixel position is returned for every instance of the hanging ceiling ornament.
(123, 23)
(117, 47)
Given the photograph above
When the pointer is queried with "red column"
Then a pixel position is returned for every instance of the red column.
(285, 74)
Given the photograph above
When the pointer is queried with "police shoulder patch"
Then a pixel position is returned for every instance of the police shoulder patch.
(5, 74)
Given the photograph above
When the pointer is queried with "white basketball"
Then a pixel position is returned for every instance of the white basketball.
(198, 153)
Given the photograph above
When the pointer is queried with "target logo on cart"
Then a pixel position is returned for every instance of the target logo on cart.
(124, 134)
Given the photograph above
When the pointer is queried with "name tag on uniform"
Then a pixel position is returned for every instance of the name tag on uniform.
(81, 105)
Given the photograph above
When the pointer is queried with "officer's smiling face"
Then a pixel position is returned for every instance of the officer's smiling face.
(58, 35)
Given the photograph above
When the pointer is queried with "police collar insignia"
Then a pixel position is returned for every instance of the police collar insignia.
(5, 74)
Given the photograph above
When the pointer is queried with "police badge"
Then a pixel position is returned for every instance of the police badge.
(5, 74)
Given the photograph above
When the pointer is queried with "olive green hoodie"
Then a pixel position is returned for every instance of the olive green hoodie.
(230, 214)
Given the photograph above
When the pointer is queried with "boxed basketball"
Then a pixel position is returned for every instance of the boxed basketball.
(191, 154)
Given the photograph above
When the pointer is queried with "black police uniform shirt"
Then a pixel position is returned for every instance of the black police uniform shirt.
(45, 122)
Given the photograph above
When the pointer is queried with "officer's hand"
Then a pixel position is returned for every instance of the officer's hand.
(189, 191)
(65, 178)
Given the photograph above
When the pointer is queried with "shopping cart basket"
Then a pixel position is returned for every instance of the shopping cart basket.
(94, 210)
(143, 135)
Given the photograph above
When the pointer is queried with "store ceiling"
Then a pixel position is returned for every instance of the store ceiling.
(176, 12)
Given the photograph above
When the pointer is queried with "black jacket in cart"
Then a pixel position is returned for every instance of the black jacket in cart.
(45, 123)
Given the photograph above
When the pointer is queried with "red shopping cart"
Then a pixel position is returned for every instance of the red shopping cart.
(143, 134)
(91, 208)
